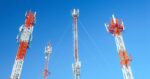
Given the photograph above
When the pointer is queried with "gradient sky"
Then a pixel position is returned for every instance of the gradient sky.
(97, 49)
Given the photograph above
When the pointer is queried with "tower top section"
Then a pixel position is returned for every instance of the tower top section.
(30, 19)
(75, 12)
(115, 26)
(48, 49)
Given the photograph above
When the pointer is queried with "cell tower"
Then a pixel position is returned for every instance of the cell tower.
(76, 66)
(48, 51)
(24, 38)
(115, 27)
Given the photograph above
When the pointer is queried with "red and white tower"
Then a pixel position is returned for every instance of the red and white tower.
(24, 38)
(76, 66)
(115, 27)
(48, 51)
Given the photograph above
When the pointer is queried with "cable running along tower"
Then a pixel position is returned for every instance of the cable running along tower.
(77, 64)
(115, 27)
(48, 51)
(24, 39)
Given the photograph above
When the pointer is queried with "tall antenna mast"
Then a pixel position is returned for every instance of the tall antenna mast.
(24, 40)
(115, 27)
(48, 51)
(76, 66)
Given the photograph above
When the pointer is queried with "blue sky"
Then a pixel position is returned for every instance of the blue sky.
(97, 49)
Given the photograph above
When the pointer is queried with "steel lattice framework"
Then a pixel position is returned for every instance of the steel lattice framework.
(77, 65)
(116, 27)
(24, 38)
(48, 51)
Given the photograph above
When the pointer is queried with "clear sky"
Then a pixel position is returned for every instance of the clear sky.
(97, 49)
